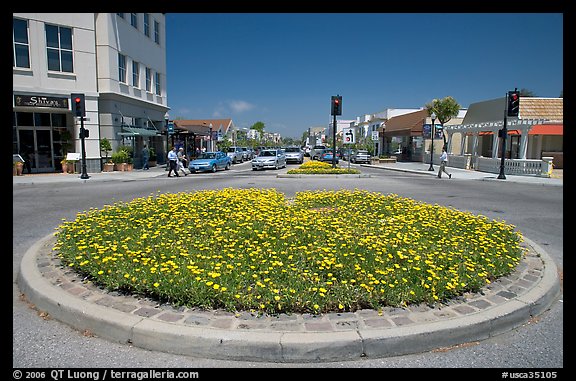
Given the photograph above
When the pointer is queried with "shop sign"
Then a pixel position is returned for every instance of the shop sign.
(40, 101)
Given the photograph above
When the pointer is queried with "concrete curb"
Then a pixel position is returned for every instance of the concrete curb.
(281, 346)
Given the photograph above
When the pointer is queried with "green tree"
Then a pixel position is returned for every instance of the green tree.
(526, 93)
(445, 109)
(105, 146)
(258, 126)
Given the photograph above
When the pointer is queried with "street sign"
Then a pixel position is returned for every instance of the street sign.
(170, 128)
(375, 135)
(348, 136)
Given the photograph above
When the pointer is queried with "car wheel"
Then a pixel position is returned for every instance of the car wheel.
(254, 168)
(214, 168)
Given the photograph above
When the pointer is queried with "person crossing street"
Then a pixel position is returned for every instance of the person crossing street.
(443, 162)
(173, 161)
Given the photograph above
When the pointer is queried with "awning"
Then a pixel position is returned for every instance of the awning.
(135, 131)
(196, 130)
(538, 129)
(547, 129)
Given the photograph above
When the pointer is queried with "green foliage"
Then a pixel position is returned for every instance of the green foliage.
(120, 156)
(445, 109)
(258, 126)
(319, 251)
(105, 146)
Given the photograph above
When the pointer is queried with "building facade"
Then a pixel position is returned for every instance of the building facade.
(117, 60)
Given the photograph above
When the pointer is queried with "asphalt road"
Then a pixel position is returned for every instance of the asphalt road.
(534, 209)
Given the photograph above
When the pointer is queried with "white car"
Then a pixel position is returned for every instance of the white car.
(294, 155)
(269, 158)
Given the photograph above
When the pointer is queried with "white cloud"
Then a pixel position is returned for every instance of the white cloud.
(240, 106)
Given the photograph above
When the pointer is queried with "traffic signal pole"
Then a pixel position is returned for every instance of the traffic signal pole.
(334, 142)
(84, 174)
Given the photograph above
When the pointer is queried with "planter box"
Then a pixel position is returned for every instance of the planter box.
(387, 160)
(108, 167)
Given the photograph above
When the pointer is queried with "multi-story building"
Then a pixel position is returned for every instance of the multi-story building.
(117, 60)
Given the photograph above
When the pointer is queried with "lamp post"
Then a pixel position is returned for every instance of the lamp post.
(433, 117)
(167, 120)
(211, 149)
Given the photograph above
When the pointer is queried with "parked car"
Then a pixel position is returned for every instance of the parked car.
(269, 158)
(236, 154)
(326, 156)
(210, 161)
(294, 155)
(316, 151)
(360, 156)
(246, 154)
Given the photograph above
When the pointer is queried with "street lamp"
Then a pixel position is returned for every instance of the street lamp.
(433, 117)
(167, 120)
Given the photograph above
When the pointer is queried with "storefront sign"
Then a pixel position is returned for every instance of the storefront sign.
(40, 101)
(426, 131)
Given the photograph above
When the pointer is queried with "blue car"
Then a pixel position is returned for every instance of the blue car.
(210, 162)
(327, 157)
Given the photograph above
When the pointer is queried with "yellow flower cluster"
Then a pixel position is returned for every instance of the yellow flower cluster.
(253, 249)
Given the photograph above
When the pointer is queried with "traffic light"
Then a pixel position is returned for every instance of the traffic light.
(513, 103)
(78, 108)
(337, 105)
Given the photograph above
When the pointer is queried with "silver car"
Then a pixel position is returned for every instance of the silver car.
(294, 155)
(269, 158)
(360, 156)
(236, 154)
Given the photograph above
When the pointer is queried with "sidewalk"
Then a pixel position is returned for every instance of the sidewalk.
(413, 167)
(466, 174)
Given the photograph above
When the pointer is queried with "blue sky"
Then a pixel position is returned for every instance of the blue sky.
(282, 68)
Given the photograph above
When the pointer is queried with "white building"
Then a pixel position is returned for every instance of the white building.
(117, 60)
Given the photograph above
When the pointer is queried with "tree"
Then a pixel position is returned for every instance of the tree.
(526, 93)
(258, 126)
(106, 147)
(445, 109)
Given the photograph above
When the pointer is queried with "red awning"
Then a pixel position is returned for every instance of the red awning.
(510, 132)
(547, 129)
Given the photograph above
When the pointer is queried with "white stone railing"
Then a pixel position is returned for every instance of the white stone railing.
(521, 167)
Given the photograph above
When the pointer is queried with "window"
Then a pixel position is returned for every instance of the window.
(135, 74)
(157, 84)
(134, 20)
(122, 68)
(156, 32)
(21, 48)
(59, 48)
(147, 24)
(148, 79)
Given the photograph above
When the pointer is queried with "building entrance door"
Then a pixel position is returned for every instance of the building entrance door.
(36, 148)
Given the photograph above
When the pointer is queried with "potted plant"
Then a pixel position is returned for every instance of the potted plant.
(17, 168)
(120, 160)
(106, 147)
(68, 166)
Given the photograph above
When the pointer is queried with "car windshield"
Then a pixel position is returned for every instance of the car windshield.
(292, 149)
(231, 149)
(207, 155)
(268, 153)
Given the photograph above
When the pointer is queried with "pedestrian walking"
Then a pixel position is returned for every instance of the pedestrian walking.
(443, 162)
(173, 161)
(145, 157)
(182, 161)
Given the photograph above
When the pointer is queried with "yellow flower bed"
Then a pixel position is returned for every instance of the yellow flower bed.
(253, 249)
